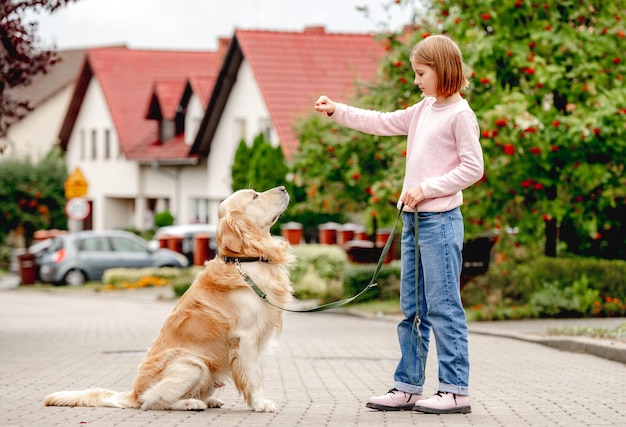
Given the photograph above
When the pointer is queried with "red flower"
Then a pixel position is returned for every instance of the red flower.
(539, 85)
(501, 122)
(555, 148)
(531, 45)
(535, 150)
(518, 4)
(330, 149)
(509, 149)
(424, 35)
(486, 133)
(546, 217)
(356, 176)
(556, 123)
(509, 54)
(596, 131)
(445, 12)
(397, 64)
(402, 80)
(485, 16)
(484, 81)
(538, 186)
(531, 129)
(528, 70)
(548, 28)
(616, 61)
(526, 183)
(621, 34)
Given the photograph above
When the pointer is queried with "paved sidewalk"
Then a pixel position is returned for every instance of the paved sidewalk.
(324, 368)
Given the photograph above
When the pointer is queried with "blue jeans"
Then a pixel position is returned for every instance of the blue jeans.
(440, 237)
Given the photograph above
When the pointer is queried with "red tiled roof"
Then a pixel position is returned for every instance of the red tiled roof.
(174, 149)
(127, 78)
(167, 94)
(293, 69)
(202, 87)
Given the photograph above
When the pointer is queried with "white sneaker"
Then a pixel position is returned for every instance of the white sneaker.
(444, 403)
(394, 400)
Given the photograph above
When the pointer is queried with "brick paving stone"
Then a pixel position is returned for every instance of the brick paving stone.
(323, 369)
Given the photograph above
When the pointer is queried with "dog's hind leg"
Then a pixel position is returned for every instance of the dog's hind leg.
(246, 370)
(181, 387)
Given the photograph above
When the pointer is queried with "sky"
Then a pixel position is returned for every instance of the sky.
(197, 24)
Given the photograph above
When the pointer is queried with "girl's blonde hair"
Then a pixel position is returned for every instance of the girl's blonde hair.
(442, 54)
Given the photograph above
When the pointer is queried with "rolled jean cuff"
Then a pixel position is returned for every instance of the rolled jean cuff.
(449, 388)
(408, 388)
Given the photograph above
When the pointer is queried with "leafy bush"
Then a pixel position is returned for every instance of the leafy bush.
(163, 219)
(359, 275)
(318, 272)
(557, 300)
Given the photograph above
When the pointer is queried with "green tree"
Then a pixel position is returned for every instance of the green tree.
(260, 166)
(32, 197)
(547, 87)
(21, 56)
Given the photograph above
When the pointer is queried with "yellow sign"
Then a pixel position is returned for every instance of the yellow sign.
(76, 185)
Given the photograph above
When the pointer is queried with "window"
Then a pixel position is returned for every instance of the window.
(122, 244)
(107, 144)
(240, 130)
(94, 143)
(83, 144)
(265, 127)
(93, 244)
(201, 211)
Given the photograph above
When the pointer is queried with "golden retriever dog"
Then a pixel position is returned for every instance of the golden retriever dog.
(220, 327)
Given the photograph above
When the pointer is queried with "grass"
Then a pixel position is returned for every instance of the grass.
(618, 333)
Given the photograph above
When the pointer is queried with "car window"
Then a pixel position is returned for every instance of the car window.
(122, 244)
(56, 245)
(93, 244)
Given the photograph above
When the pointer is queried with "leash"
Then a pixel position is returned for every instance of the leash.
(335, 304)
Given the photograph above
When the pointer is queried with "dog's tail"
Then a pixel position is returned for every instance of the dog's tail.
(93, 397)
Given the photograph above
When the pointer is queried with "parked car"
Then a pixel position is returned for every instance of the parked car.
(188, 233)
(76, 258)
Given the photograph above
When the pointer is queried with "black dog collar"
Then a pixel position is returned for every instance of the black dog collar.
(235, 260)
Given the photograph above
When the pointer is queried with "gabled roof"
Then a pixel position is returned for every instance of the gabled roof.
(127, 78)
(292, 70)
(165, 99)
(57, 77)
(202, 86)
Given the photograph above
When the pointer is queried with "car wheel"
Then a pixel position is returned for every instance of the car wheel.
(75, 278)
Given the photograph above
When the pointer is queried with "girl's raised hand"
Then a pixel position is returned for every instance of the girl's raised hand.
(325, 105)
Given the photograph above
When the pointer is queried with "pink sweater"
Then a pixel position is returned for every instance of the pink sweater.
(444, 155)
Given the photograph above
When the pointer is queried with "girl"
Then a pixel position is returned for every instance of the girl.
(444, 157)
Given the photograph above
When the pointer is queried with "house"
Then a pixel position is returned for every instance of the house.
(267, 82)
(49, 94)
(157, 130)
(124, 131)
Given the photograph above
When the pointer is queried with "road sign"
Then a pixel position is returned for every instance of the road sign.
(77, 208)
(76, 184)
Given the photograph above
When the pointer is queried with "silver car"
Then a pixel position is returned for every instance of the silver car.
(76, 258)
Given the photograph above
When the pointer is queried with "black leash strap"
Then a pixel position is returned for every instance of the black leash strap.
(334, 304)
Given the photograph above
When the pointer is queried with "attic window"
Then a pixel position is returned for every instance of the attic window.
(167, 130)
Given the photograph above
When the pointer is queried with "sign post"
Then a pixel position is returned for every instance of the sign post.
(77, 207)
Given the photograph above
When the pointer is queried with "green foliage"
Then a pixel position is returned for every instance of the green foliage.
(556, 300)
(359, 275)
(547, 86)
(318, 272)
(32, 196)
(260, 167)
(548, 90)
(162, 219)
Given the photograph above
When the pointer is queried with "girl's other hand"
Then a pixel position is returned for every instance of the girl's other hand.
(325, 105)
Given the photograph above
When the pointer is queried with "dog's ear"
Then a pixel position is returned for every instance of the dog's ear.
(231, 232)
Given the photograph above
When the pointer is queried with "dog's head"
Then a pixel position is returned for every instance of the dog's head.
(245, 219)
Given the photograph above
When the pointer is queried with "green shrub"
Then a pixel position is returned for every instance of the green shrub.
(318, 272)
(163, 219)
(358, 276)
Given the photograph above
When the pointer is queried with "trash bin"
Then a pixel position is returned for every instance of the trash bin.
(27, 268)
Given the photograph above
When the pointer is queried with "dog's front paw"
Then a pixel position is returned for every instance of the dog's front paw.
(214, 402)
(191, 405)
(264, 405)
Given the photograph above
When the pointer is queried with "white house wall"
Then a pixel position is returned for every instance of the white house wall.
(193, 118)
(113, 181)
(245, 102)
(36, 134)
